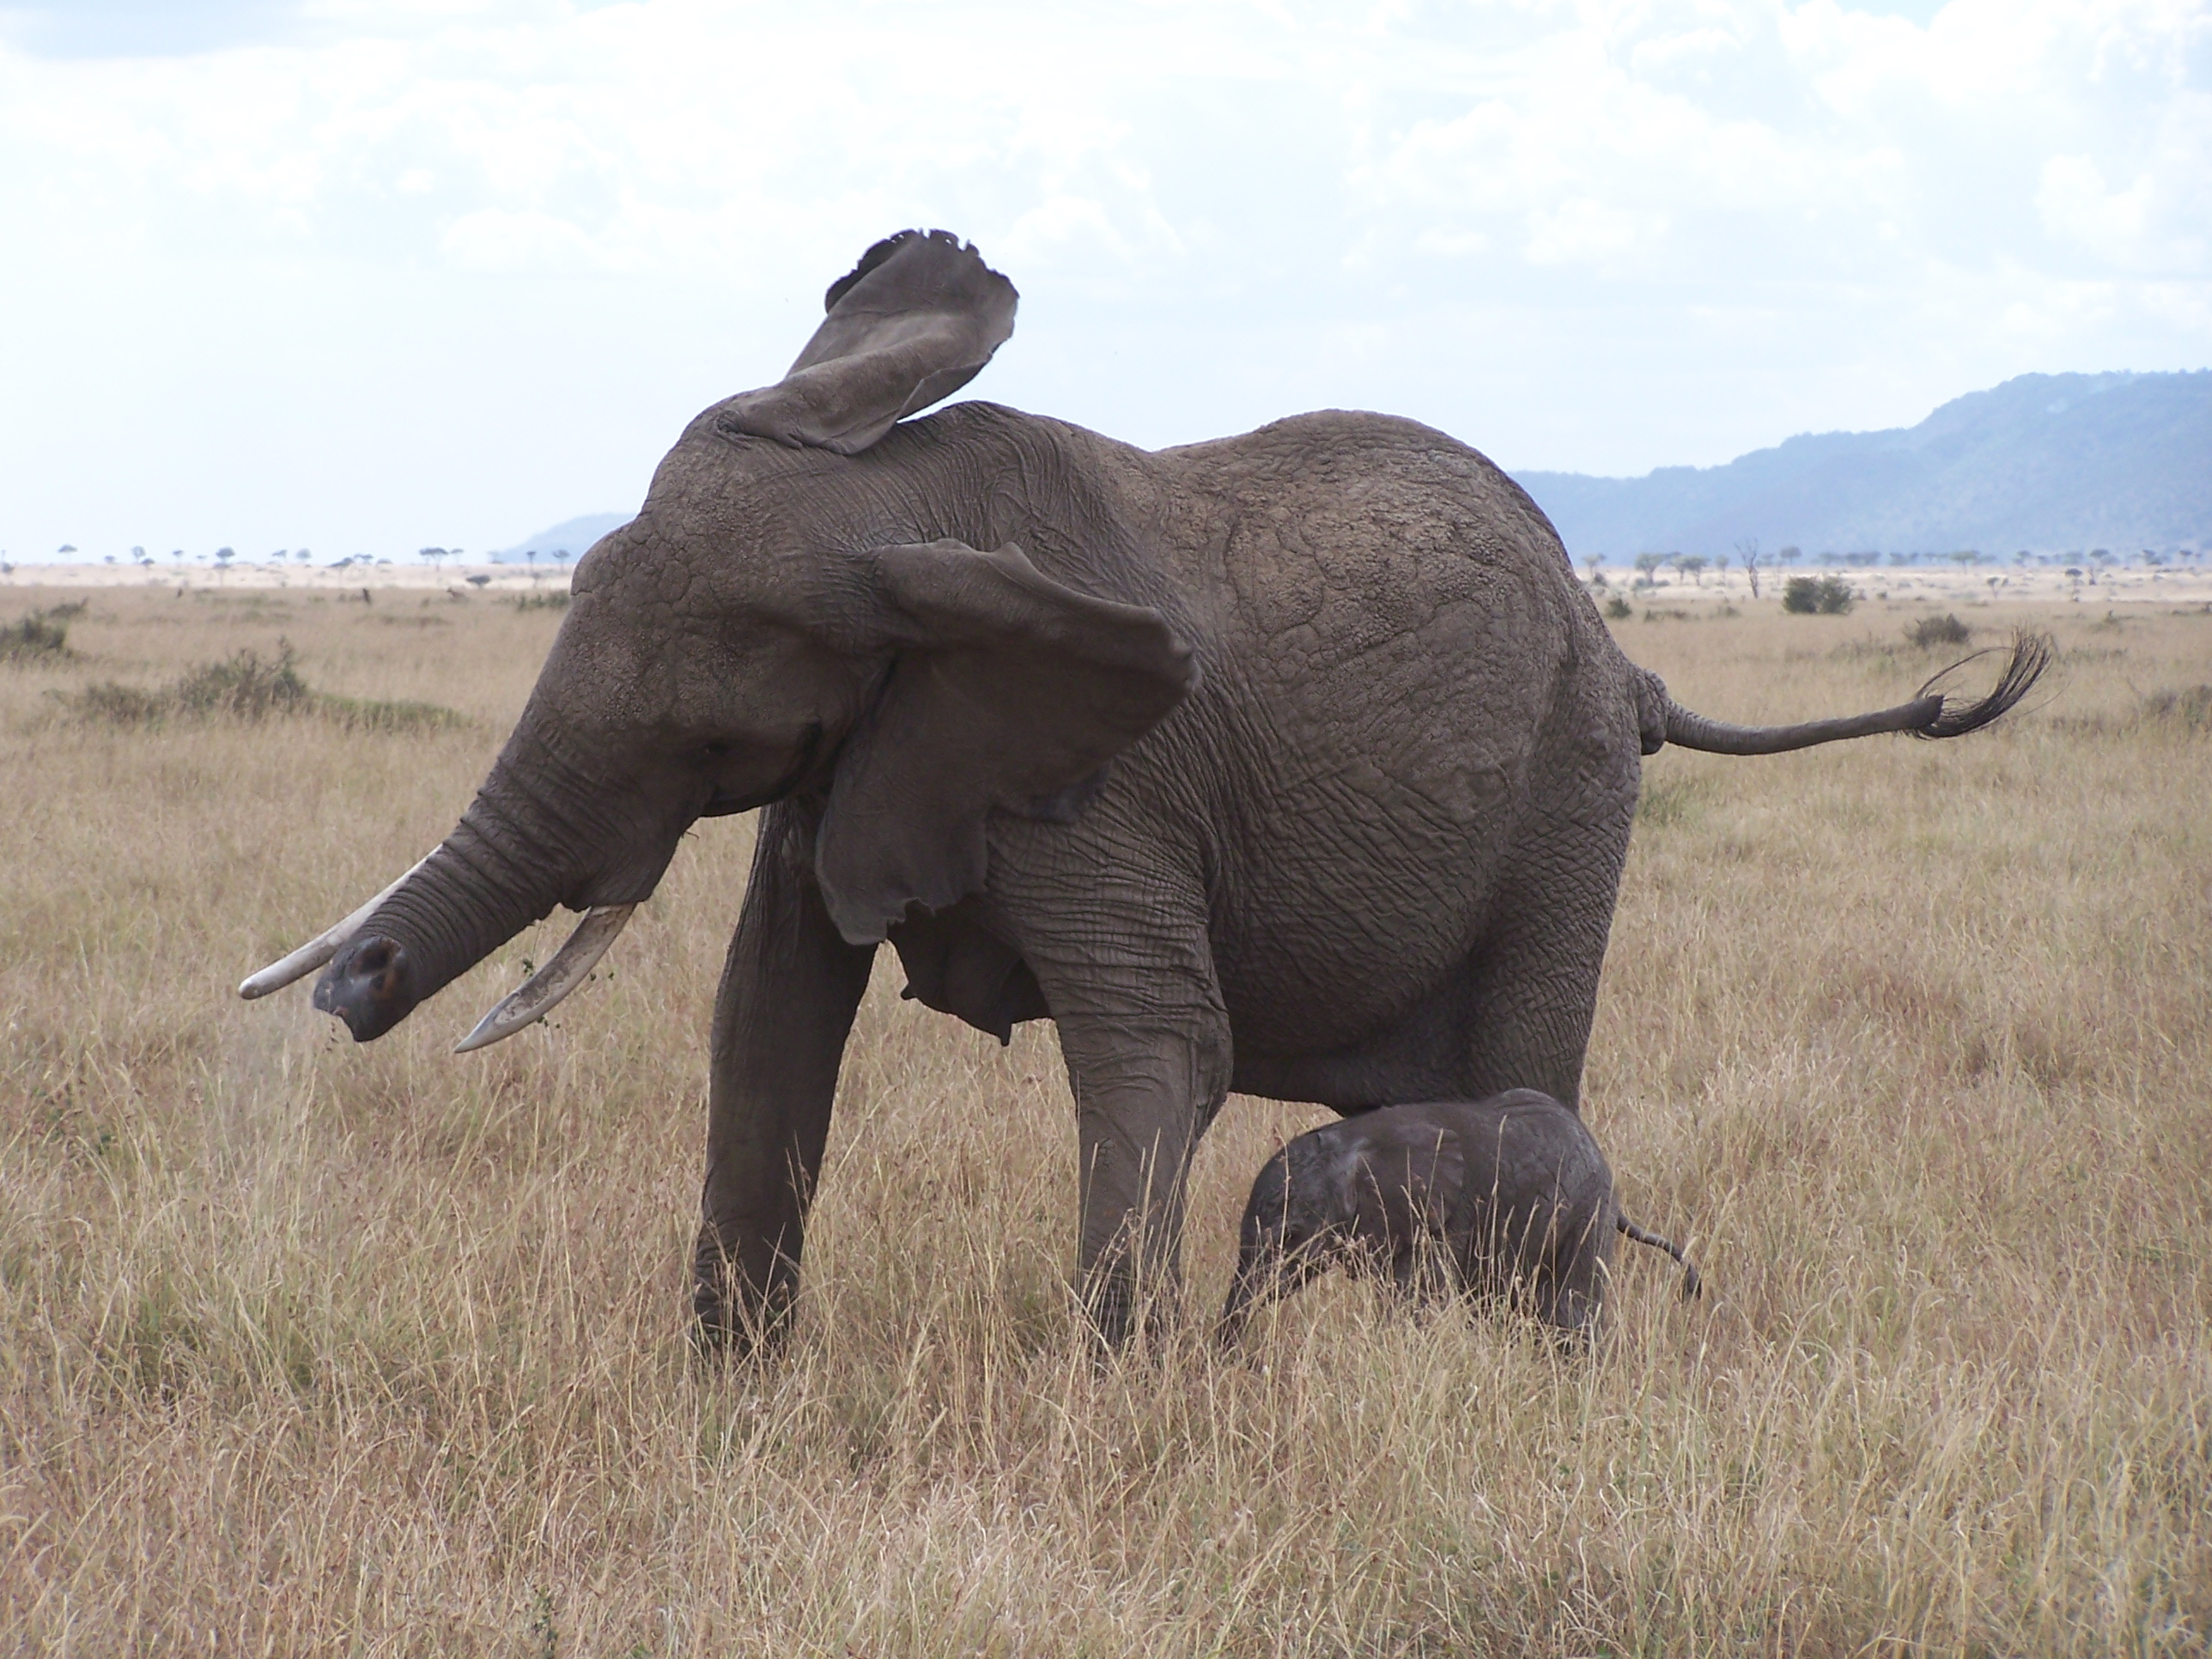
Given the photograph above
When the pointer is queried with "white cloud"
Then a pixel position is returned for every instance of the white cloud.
(1534, 223)
(1582, 231)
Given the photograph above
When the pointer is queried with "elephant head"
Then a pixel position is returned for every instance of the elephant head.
(787, 614)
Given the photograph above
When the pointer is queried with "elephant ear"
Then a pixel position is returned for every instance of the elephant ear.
(1007, 691)
(914, 321)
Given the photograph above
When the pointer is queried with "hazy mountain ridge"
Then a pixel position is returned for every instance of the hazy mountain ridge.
(2051, 463)
(574, 536)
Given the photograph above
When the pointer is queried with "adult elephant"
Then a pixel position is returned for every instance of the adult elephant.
(1297, 763)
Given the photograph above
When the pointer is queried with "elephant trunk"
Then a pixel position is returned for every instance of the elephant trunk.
(535, 837)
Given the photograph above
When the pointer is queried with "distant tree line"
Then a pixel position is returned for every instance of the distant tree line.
(1692, 565)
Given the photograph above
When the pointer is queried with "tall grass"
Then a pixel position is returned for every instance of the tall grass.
(40, 635)
(312, 1347)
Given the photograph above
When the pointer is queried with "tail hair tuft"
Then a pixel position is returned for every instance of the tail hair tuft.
(2032, 653)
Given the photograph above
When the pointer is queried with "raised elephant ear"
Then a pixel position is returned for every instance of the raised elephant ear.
(914, 321)
(1007, 691)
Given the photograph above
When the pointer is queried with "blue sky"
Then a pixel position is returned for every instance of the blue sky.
(366, 275)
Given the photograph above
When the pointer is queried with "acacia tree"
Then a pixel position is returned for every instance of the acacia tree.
(1748, 550)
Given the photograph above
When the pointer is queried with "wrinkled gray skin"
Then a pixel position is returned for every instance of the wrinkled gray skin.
(1506, 1200)
(1297, 763)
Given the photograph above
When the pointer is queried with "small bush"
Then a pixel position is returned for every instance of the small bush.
(244, 687)
(249, 687)
(1930, 631)
(2191, 709)
(42, 636)
(1618, 608)
(371, 714)
(1823, 596)
(112, 704)
(558, 601)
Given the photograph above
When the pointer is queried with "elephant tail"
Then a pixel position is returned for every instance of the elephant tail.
(1661, 720)
(1693, 1286)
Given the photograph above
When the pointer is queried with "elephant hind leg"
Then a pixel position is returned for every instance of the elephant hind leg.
(1514, 1013)
(1571, 1292)
(1531, 990)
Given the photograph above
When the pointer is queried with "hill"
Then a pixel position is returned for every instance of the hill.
(574, 536)
(2051, 463)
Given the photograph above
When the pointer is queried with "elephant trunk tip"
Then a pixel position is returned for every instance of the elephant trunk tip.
(370, 985)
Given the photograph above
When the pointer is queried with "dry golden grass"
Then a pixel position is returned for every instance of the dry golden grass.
(316, 1348)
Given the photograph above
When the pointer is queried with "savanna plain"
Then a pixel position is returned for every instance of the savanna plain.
(307, 1347)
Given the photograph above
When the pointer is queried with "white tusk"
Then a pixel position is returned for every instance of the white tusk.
(543, 991)
(318, 949)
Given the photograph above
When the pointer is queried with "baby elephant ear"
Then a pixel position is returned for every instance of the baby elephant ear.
(916, 320)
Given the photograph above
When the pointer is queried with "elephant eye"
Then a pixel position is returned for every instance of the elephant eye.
(718, 747)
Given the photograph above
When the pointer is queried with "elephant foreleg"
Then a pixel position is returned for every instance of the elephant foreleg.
(1143, 1095)
(789, 990)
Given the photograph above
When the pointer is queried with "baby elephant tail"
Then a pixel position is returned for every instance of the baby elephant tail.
(1692, 1286)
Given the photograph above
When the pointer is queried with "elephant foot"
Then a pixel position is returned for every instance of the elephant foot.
(732, 1319)
(1125, 1316)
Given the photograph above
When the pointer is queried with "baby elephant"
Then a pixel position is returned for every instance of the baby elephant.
(1507, 1199)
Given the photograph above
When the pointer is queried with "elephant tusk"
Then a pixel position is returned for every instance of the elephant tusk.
(320, 949)
(543, 991)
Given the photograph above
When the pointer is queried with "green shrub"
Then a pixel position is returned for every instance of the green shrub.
(1945, 629)
(42, 636)
(1824, 596)
(555, 601)
(1618, 608)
